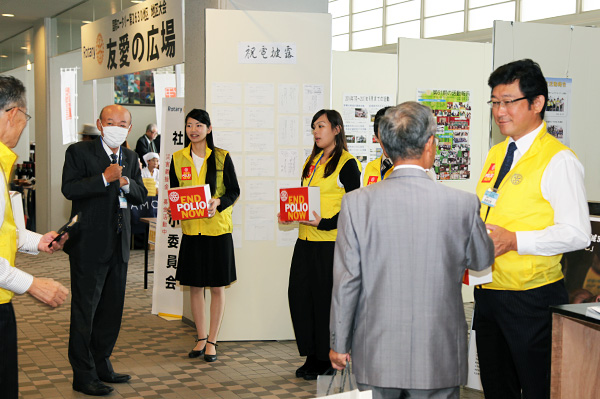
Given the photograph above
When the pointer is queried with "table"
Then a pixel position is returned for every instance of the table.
(575, 353)
(147, 221)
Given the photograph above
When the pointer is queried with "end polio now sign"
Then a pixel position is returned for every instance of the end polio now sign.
(146, 36)
(189, 202)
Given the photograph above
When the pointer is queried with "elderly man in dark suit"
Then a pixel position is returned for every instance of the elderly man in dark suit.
(146, 143)
(102, 179)
(402, 248)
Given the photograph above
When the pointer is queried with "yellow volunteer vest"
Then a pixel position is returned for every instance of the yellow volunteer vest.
(8, 230)
(373, 172)
(220, 223)
(521, 207)
(330, 195)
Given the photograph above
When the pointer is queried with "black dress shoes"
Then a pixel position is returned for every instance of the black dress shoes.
(322, 368)
(193, 354)
(211, 358)
(115, 378)
(93, 388)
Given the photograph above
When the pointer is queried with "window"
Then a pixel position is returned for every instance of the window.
(367, 20)
(408, 29)
(367, 38)
(364, 5)
(539, 9)
(339, 8)
(444, 24)
(341, 43)
(402, 12)
(484, 17)
(588, 5)
(439, 7)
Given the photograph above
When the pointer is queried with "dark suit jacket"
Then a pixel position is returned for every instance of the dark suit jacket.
(142, 147)
(82, 183)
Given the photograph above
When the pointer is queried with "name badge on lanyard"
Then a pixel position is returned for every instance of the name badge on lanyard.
(490, 197)
(122, 202)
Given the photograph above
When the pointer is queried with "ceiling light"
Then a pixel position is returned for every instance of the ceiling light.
(3, 56)
(137, 1)
(24, 48)
(86, 22)
(8, 15)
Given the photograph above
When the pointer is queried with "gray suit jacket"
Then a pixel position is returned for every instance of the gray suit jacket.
(401, 251)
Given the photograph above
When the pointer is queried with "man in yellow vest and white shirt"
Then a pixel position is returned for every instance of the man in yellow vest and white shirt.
(380, 168)
(534, 205)
(13, 119)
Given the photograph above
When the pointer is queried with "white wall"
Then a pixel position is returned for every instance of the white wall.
(25, 76)
(562, 52)
(420, 66)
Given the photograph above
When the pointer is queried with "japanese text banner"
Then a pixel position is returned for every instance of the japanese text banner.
(146, 36)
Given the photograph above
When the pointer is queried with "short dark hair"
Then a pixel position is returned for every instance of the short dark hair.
(12, 93)
(378, 116)
(405, 129)
(529, 74)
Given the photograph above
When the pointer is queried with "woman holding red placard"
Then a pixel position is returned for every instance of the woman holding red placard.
(335, 171)
(206, 257)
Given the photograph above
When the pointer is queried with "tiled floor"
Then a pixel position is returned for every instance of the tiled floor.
(152, 350)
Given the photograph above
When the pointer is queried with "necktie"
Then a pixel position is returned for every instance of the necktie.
(113, 159)
(385, 166)
(152, 146)
(506, 164)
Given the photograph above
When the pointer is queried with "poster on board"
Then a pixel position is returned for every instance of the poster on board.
(358, 113)
(452, 109)
(558, 112)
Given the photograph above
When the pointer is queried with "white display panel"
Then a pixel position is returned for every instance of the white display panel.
(269, 112)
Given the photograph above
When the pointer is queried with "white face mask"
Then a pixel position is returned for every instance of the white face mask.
(114, 136)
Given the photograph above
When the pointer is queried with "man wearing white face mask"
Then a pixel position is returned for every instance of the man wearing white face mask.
(102, 179)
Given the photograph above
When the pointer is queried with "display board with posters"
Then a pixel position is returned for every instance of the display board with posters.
(582, 269)
(358, 114)
(145, 36)
(452, 109)
(558, 113)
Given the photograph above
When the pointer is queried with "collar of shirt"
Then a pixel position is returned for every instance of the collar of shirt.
(411, 166)
(109, 151)
(524, 143)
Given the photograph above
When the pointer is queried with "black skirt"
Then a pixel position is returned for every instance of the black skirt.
(206, 261)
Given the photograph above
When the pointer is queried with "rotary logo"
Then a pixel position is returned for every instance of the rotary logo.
(284, 196)
(516, 178)
(99, 49)
(174, 196)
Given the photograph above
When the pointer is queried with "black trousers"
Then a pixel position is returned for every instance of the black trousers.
(97, 298)
(514, 340)
(9, 372)
(309, 294)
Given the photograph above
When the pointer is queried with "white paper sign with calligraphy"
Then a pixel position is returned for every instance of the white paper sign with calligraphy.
(167, 296)
(146, 36)
(266, 53)
(68, 104)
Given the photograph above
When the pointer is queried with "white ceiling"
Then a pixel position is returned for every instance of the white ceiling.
(27, 12)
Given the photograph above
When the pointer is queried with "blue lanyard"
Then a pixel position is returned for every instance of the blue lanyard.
(315, 169)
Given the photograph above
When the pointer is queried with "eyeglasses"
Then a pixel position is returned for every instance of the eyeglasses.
(26, 114)
(505, 103)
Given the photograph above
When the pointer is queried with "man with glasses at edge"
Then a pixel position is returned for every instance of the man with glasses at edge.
(13, 120)
(535, 209)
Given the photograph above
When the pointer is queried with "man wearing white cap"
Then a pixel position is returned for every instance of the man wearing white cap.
(89, 132)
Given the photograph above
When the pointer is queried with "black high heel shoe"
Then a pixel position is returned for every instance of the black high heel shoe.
(210, 358)
(193, 354)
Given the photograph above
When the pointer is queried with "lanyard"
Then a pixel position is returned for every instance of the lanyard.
(315, 169)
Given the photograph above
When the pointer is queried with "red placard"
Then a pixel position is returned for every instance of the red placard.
(298, 203)
(189, 202)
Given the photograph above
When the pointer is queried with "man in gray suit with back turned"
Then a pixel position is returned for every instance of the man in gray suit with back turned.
(402, 248)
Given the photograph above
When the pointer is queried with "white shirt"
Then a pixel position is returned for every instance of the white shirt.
(147, 175)
(109, 152)
(198, 161)
(11, 278)
(562, 186)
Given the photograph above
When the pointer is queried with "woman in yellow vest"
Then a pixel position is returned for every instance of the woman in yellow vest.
(378, 169)
(206, 257)
(332, 168)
